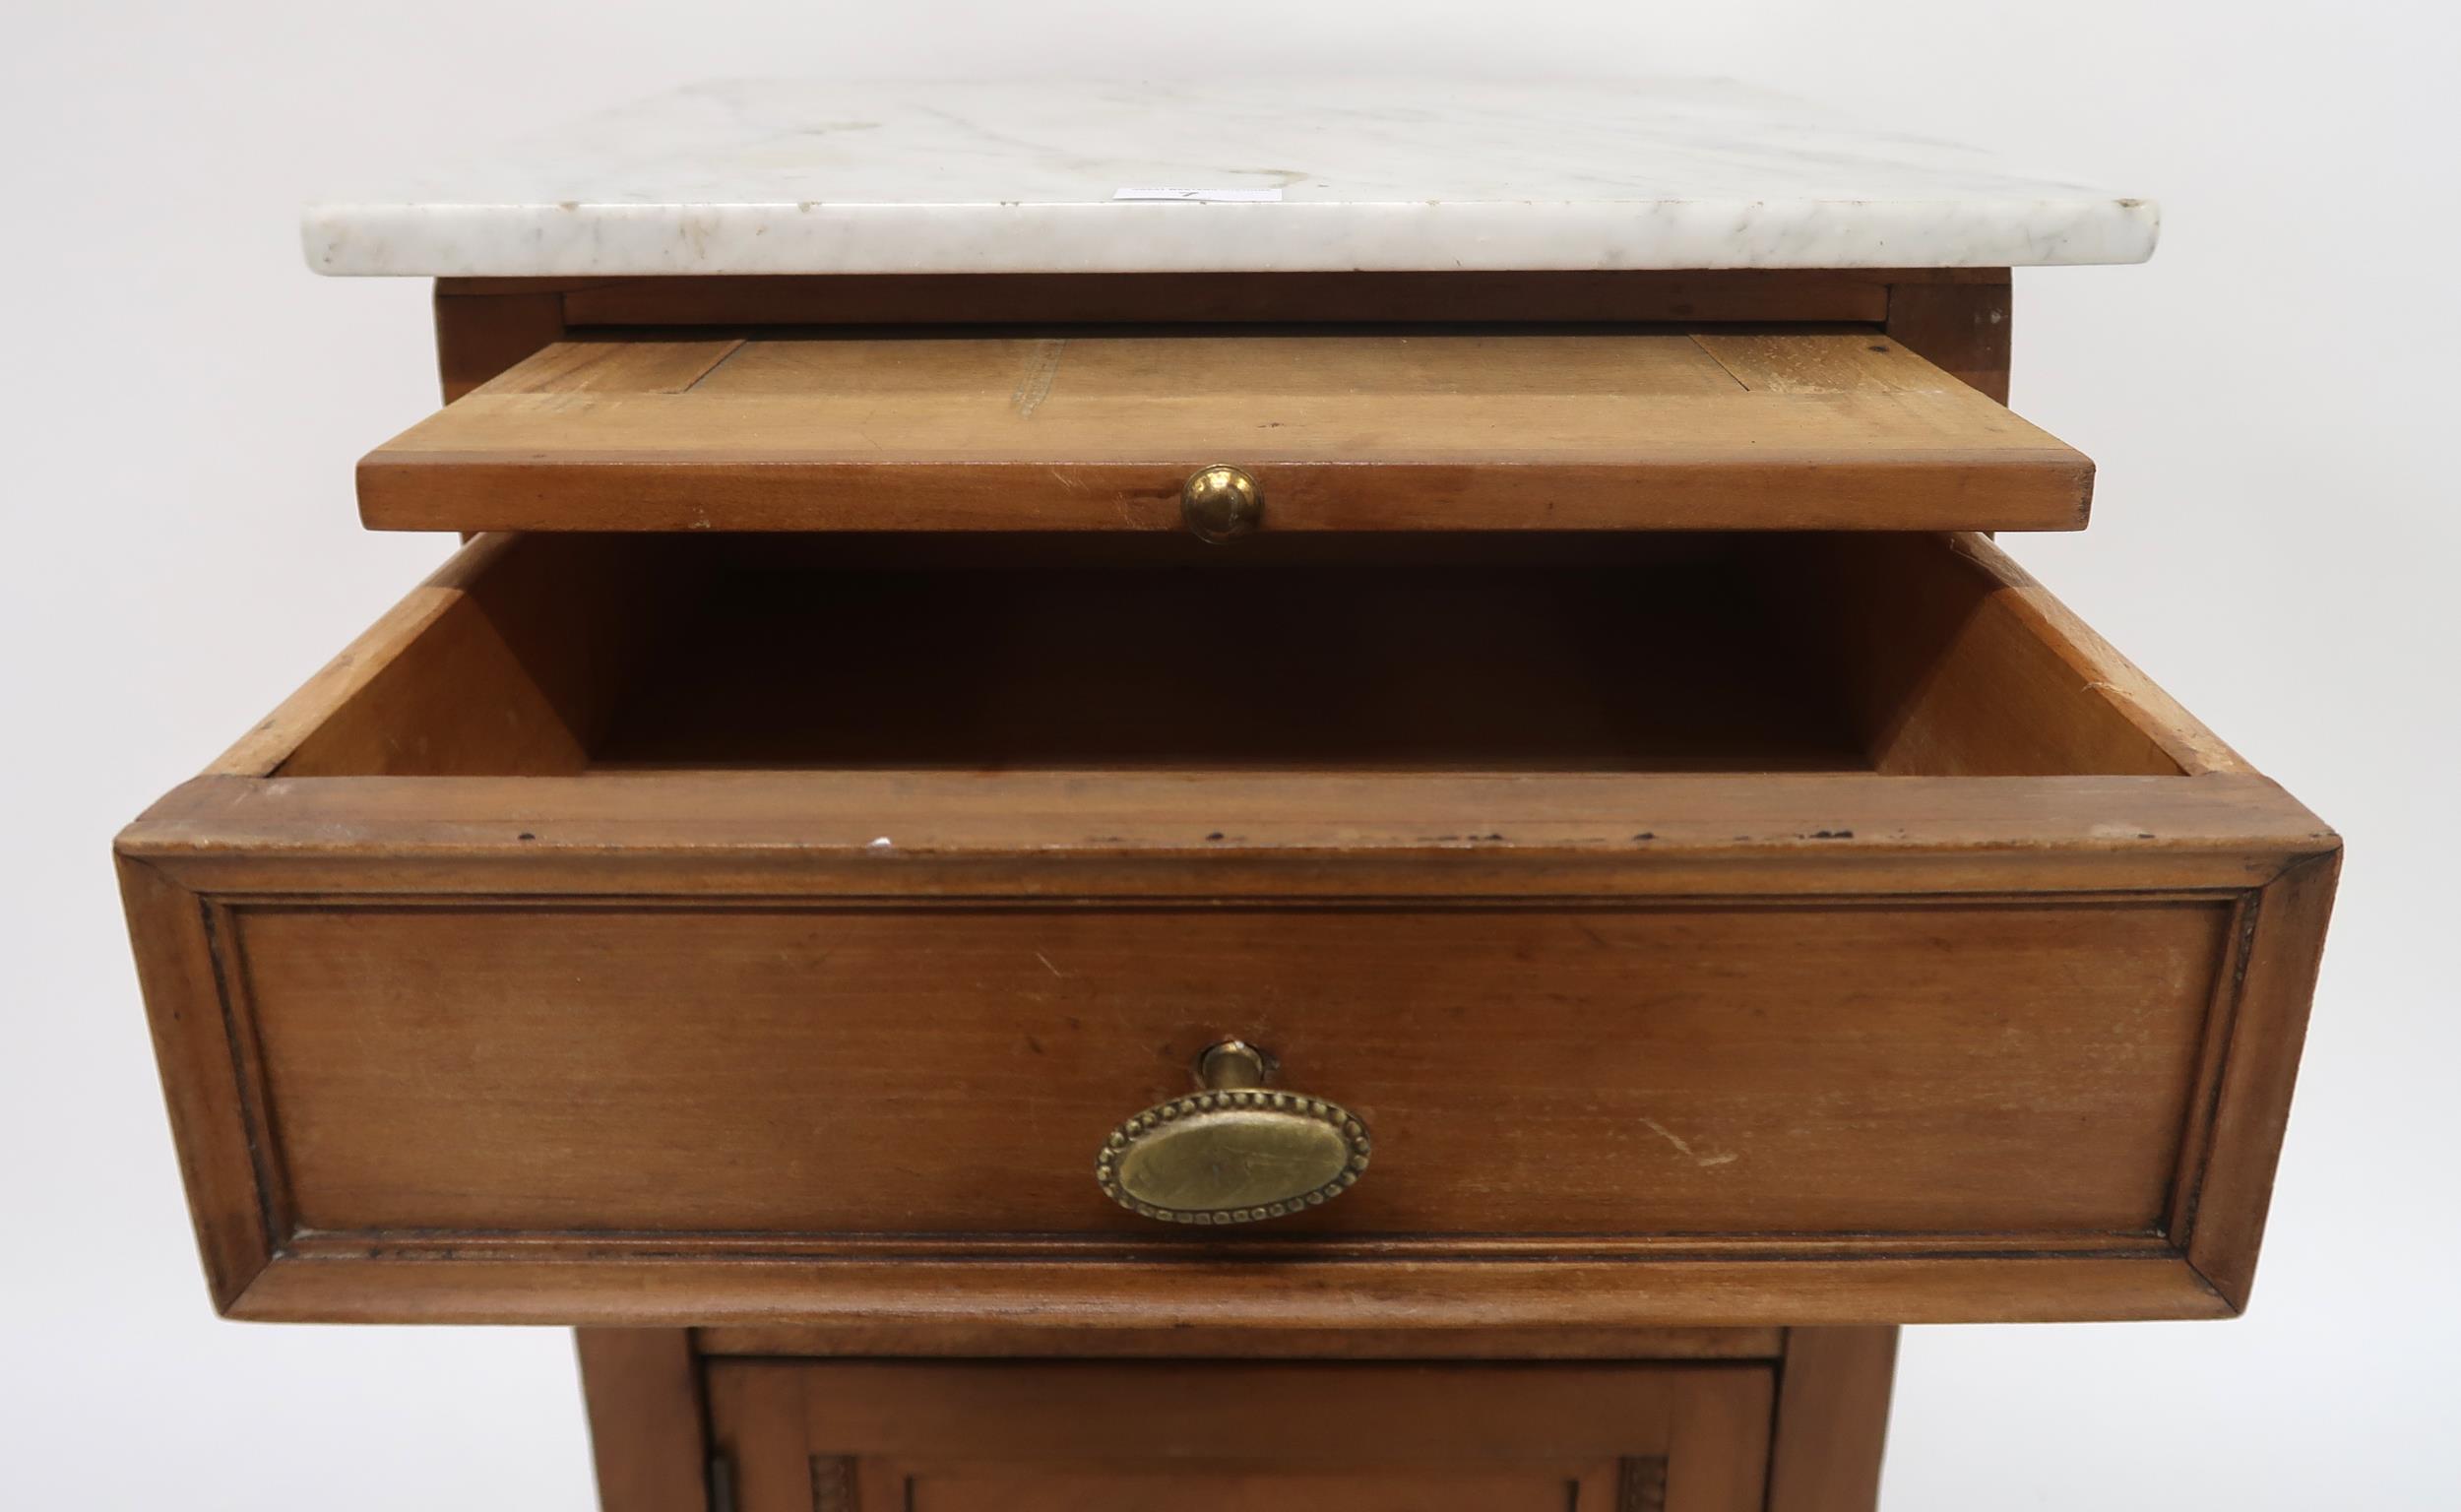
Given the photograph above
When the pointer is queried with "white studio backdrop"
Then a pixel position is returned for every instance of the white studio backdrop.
(184, 400)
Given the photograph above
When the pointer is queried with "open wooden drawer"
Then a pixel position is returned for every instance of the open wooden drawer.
(1711, 928)
(1098, 428)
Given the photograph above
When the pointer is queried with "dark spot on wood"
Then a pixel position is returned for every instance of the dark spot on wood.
(1877, 347)
(1646, 834)
(1216, 835)
(1830, 835)
(525, 835)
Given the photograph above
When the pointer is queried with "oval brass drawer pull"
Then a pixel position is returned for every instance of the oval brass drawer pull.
(1234, 1152)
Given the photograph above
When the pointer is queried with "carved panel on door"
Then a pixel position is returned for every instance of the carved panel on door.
(1214, 1437)
(1635, 1484)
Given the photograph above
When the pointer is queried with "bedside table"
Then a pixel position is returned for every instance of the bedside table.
(1087, 828)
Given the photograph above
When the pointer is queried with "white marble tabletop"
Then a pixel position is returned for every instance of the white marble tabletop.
(774, 176)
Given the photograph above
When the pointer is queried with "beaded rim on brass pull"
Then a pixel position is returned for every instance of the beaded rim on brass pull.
(1254, 1110)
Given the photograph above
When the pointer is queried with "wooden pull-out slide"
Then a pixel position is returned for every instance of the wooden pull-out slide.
(1727, 429)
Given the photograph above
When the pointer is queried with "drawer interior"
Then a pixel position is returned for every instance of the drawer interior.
(604, 935)
(581, 654)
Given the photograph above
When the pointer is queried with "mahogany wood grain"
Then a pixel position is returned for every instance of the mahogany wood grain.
(524, 657)
(1870, 651)
(778, 1440)
(458, 998)
(1321, 667)
(647, 1438)
(1976, 671)
(854, 1336)
(623, 1284)
(1128, 835)
(1218, 1435)
(1966, 326)
(2018, 1079)
(761, 1433)
(209, 1076)
(1731, 295)
(1083, 431)
(482, 333)
(1832, 1419)
(1832, 930)
(1959, 318)
(1250, 1486)
(2223, 1210)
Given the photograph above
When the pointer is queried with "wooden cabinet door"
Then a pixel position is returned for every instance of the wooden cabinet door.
(1217, 1436)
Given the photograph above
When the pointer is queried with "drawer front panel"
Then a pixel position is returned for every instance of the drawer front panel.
(2011, 1070)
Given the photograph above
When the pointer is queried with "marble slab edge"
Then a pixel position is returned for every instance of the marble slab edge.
(581, 239)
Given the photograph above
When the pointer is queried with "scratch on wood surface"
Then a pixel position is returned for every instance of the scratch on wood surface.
(1047, 964)
(1683, 1147)
(1041, 370)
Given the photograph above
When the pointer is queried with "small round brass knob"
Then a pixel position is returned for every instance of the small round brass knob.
(1234, 1152)
(1221, 502)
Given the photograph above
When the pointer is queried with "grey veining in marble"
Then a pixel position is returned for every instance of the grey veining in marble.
(779, 177)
